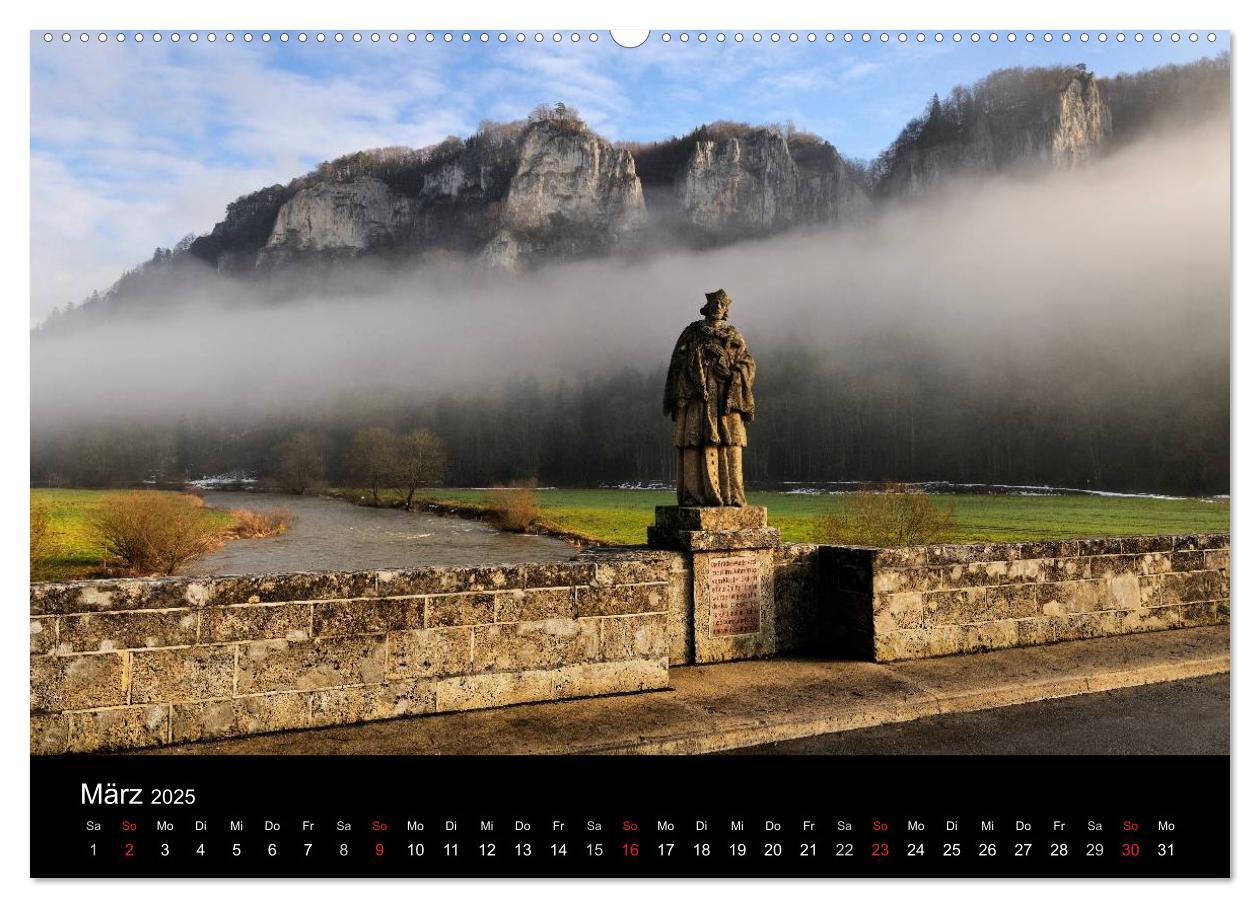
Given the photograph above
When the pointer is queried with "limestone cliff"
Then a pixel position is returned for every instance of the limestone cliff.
(724, 181)
(572, 194)
(740, 183)
(1016, 119)
(350, 217)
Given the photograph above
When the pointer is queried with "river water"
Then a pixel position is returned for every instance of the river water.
(332, 535)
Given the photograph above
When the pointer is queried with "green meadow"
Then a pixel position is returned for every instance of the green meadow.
(74, 553)
(621, 516)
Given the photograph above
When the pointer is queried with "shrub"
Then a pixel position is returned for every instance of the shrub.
(515, 507)
(148, 533)
(261, 524)
(887, 516)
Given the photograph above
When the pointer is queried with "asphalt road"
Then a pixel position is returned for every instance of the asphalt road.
(1180, 717)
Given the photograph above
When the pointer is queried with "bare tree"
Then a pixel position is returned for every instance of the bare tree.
(373, 460)
(299, 461)
(421, 462)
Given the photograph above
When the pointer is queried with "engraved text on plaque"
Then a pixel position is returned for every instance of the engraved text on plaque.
(734, 595)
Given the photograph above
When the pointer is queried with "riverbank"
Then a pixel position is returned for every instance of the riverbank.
(621, 516)
(73, 552)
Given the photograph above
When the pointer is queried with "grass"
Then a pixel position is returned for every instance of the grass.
(74, 554)
(620, 516)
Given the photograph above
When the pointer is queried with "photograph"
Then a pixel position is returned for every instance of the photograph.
(793, 399)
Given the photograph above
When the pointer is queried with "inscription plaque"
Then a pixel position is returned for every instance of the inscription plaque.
(734, 596)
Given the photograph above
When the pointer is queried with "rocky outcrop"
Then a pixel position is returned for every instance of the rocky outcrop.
(1081, 124)
(348, 218)
(740, 184)
(573, 194)
(1014, 120)
(829, 189)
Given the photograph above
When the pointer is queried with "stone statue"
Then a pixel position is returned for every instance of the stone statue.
(709, 395)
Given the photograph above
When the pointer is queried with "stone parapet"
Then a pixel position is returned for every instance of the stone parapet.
(132, 663)
(908, 603)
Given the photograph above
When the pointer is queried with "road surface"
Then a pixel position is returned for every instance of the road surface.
(1180, 717)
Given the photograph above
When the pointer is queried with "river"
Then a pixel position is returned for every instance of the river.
(332, 535)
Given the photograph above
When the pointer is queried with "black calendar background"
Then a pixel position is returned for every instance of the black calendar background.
(763, 816)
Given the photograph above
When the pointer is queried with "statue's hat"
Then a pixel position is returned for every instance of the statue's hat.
(716, 301)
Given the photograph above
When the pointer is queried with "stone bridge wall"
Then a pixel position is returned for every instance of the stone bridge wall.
(131, 663)
(910, 603)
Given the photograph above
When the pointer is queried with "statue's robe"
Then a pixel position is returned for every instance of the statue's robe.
(709, 394)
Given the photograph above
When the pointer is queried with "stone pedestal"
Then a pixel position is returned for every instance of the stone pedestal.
(730, 610)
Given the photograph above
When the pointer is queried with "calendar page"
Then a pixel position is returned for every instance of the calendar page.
(586, 453)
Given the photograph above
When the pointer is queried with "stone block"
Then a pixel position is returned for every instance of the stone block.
(190, 673)
(1140, 545)
(954, 606)
(1015, 601)
(559, 573)
(907, 644)
(1151, 590)
(118, 728)
(908, 580)
(1197, 614)
(462, 609)
(621, 600)
(1216, 560)
(494, 689)
(670, 518)
(267, 666)
(1195, 586)
(432, 581)
(601, 678)
(391, 700)
(235, 716)
(653, 567)
(634, 637)
(78, 682)
(1053, 570)
(945, 641)
(1189, 560)
(1159, 618)
(49, 733)
(714, 540)
(43, 634)
(535, 605)
(682, 633)
(898, 610)
(145, 628)
(1034, 631)
(1200, 541)
(534, 644)
(1104, 546)
(233, 623)
(356, 617)
(1154, 563)
(305, 586)
(1050, 549)
(1101, 566)
(431, 653)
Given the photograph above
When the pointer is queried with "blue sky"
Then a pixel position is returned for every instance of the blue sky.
(135, 144)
